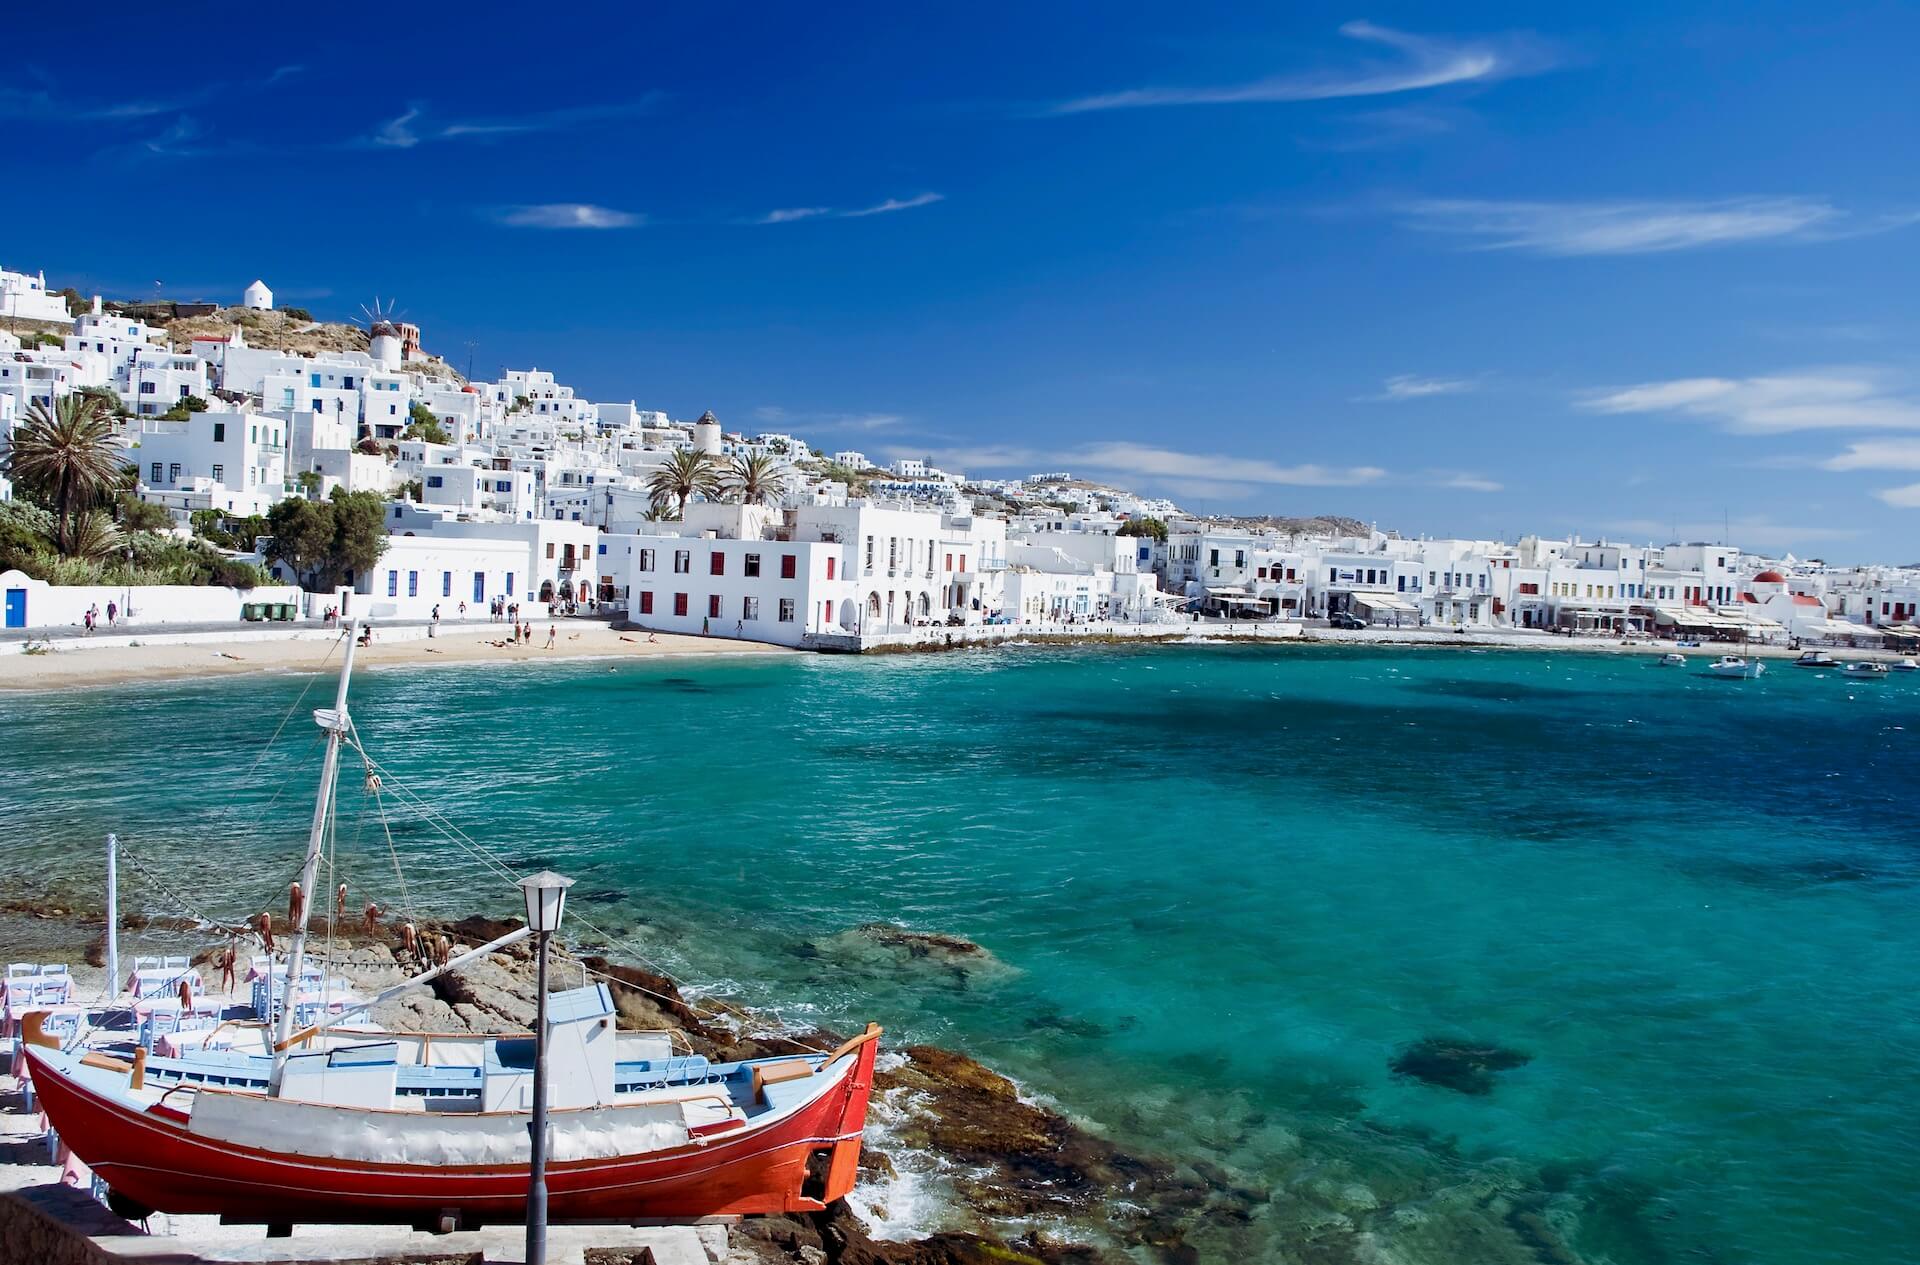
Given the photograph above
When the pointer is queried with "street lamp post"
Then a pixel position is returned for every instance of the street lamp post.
(546, 896)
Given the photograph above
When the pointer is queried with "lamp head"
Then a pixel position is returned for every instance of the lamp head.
(546, 896)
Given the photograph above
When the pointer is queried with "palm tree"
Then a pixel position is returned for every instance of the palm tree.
(93, 536)
(686, 474)
(70, 455)
(757, 479)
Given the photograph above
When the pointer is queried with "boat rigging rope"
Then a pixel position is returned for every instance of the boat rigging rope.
(220, 924)
(717, 1008)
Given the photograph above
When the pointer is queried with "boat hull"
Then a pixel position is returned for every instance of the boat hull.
(799, 1162)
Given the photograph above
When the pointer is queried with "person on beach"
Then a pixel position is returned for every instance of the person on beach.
(706, 628)
(553, 633)
(739, 628)
(463, 610)
(113, 609)
(92, 617)
(433, 624)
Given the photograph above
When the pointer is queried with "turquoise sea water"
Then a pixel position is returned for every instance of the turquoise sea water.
(1228, 886)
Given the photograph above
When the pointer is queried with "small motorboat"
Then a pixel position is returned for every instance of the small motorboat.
(1673, 661)
(1867, 671)
(1816, 659)
(1904, 665)
(1733, 665)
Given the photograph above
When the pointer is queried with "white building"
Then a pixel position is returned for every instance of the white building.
(24, 296)
(232, 462)
(257, 297)
(160, 379)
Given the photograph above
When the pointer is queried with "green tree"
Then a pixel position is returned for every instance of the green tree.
(108, 399)
(1154, 527)
(425, 425)
(91, 535)
(309, 482)
(412, 490)
(67, 455)
(756, 479)
(686, 474)
(297, 314)
(139, 515)
(323, 542)
(185, 408)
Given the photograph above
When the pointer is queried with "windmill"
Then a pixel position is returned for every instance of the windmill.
(383, 333)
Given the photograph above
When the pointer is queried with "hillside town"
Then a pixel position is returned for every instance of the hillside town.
(520, 496)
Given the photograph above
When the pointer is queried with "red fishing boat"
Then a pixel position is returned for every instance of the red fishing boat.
(769, 1136)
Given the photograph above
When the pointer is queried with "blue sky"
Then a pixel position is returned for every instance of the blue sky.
(1635, 269)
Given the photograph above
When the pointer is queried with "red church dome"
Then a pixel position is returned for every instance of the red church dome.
(1769, 577)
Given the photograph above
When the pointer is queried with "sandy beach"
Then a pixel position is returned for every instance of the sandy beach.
(463, 643)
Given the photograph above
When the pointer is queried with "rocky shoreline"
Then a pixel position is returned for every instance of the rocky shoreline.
(1019, 1181)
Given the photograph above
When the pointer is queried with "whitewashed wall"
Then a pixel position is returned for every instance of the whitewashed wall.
(152, 605)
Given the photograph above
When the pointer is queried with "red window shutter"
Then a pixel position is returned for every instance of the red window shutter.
(646, 603)
(713, 606)
(786, 566)
(719, 563)
(679, 603)
(830, 562)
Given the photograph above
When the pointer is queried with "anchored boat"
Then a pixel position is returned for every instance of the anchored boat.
(1734, 665)
(324, 1122)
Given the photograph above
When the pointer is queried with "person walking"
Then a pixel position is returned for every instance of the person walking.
(89, 617)
(553, 633)
(706, 628)
(113, 610)
(433, 624)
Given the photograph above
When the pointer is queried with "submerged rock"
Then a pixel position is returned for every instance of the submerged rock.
(885, 948)
(1466, 1067)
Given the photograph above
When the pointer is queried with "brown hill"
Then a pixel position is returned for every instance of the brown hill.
(284, 331)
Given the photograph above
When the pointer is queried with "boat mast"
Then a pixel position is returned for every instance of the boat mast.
(334, 721)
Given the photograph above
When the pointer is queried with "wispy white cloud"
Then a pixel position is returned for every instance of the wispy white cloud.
(895, 204)
(1877, 454)
(567, 215)
(787, 215)
(1818, 399)
(1638, 227)
(1423, 62)
(1467, 483)
(791, 214)
(1407, 386)
(1143, 461)
(1883, 454)
(774, 415)
(413, 126)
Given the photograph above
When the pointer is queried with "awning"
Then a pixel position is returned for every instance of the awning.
(1386, 602)
(1235, 597)
(1841, 628)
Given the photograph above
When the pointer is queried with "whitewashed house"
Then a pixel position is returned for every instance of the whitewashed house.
(25, 297)
(232, 462)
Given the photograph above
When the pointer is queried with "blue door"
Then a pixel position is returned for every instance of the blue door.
(16, 608)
